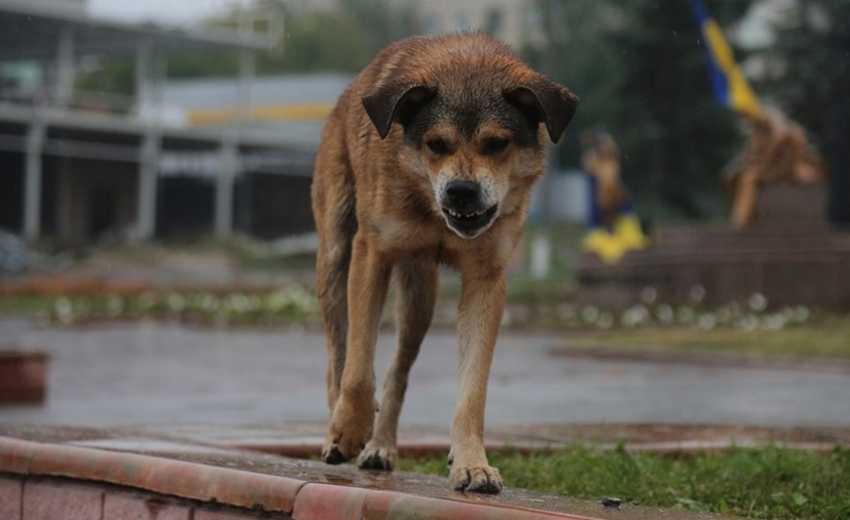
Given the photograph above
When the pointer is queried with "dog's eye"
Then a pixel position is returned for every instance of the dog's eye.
(438, 146)
(495, 145)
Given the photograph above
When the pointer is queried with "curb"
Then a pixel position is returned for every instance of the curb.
(261, 494)
(704, 358)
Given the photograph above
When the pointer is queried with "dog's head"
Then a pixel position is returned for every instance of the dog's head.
(472, 120)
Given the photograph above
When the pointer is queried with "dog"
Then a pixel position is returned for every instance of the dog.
(427, 159)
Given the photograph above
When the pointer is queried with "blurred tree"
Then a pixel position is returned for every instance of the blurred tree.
(815, 55)
(111, 75)
(313, 40)
(319, 40)
(382, 21)
(344, 38)
(639, 69)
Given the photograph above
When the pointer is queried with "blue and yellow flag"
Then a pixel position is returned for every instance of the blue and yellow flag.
(729, 85)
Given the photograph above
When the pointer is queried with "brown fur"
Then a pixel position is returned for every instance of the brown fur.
(427, 113)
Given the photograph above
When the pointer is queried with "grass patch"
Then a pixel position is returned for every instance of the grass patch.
(25, 304)
(827, 338)
(769, 482)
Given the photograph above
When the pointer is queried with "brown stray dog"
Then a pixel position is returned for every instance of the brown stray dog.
(428, 158)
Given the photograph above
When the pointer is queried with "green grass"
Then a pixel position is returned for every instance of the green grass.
(26, 304)
(769, 482)
(826, 338)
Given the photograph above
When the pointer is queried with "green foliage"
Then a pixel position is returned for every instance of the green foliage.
(321, 41)
(341, 39)
(112, 75)
(769, 482)
(285, 305)
(382, 21)
(639, 69)
(195, 64)
(826, 338)
(312, 41)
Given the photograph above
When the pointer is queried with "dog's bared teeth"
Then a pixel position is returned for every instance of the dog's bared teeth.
(465, 216)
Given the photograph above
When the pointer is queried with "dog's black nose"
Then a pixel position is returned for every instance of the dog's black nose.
(463, 194)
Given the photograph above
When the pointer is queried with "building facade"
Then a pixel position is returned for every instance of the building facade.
(75, 165)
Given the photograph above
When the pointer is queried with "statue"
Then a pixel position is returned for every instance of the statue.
(777, 150)
(613, 225)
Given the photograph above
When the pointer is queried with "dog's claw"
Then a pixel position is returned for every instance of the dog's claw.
(477, 480)
(333, 455)
(379, 458)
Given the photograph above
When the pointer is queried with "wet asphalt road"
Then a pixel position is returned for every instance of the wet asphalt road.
(154, 373)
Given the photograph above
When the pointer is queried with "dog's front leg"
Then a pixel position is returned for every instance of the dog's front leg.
(353, 416)
(480, 313)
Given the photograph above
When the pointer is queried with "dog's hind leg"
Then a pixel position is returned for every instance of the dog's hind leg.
(333, 259)
(334, 210)
(417, 282)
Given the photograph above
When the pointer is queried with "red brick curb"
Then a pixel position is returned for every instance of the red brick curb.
(169, 477)
(387, 505)
(236, 488)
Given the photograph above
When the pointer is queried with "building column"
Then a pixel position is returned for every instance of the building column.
(32, 180)
(148, 174)
(144, 80)
(247, 70)
(64, 197)
(228, 168)
(64, 87)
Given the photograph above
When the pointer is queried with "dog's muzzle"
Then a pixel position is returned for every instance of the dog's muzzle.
(466, 209)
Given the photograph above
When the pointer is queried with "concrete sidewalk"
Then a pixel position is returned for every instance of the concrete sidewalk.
(182, 423)
(149, 373)
(83, 473)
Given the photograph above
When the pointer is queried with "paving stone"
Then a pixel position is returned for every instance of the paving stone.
(11, 495)
(383, 505)
(221, 515)
(52, 501)
(173, 477)
(148, 446)
(15, 455)
(323, 501)
(134, 506)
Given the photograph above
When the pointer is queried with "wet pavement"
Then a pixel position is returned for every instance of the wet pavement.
(152, 373)
(93, 465)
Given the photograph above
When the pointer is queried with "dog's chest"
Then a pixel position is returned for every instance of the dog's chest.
(395, 233)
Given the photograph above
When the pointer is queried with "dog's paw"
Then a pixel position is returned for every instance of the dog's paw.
(349, 430)
(478, 479)
(331, 454)
(342, 448)
(377, 457)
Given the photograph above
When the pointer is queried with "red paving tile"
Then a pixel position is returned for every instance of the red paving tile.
(15, 455)
(382, 505)
(262, 491)
(171, 477)
(323, 501)
(58, 460)
(53, 501)
(11, 494)
(216, 515)
(135, 506)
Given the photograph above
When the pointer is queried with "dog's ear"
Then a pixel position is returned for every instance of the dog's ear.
(543, 100)
(395, 101)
